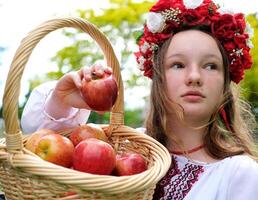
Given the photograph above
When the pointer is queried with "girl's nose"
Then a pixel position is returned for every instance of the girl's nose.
(193, 76)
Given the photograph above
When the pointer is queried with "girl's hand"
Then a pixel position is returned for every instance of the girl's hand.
(67, 93)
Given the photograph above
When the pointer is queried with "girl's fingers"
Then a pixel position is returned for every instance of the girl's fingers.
(98, 70)
(76, 79)
(108, 70)
(86, 72)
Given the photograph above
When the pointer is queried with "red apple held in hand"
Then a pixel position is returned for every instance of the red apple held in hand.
(87, 131)
(129, 164)
(33, 140)
(99, 90)
(56, 149)
(94, 156)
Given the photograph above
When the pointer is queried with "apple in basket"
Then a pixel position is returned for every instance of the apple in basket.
(56, 149)
(129, 163)
(94, 156)
(99, 91)
(87, 131)
(67, 194)
(34, 138)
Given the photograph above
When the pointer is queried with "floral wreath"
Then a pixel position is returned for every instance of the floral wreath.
(167, 17)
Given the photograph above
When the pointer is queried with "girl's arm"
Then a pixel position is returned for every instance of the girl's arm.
(38, 112)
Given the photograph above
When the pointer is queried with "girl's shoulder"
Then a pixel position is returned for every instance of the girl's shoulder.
(242, 169)
(243, 163)
(243, 179)
(239, 166)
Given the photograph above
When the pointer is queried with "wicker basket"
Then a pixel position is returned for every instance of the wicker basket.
(25, 176)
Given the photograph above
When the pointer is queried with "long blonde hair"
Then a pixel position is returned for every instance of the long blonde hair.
(220, 141)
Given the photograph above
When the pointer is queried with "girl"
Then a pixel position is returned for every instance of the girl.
(207, 158)
(195, 54)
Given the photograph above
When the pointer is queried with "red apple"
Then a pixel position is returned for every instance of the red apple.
(57, 149)
(129, 163)
(33, 140)
(68, 193)
(94, 156)
(87, 131)
(99, 91)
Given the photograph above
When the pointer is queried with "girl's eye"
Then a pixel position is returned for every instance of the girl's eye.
(177, 66)
(211, 66)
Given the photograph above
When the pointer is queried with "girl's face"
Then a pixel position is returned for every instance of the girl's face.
(194, 73)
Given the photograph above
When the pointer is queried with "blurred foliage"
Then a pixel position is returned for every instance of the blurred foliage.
(133, 118)
(117, 22)
(250, 83)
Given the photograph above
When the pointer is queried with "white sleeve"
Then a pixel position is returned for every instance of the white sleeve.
(35, 117)
(244, 181)
(141, 129)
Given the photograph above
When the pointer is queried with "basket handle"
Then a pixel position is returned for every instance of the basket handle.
(21, 57)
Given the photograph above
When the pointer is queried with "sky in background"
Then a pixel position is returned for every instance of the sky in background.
(18, 17)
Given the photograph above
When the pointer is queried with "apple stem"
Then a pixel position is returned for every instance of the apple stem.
(94, 76)
(97, 74)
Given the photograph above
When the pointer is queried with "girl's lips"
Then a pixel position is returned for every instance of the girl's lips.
(193, 93)
(193, 96)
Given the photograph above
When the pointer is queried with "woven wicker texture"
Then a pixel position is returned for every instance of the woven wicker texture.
(23, 175)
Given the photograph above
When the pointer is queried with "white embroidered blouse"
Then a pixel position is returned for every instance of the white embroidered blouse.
(233, 178)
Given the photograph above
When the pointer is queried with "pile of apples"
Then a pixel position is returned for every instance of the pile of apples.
(86, 150)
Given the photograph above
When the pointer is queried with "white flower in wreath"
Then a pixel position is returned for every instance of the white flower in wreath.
(141, 61)
(192, 4)
(249, 30)
(225, 10)
(145, 47)
(155, 22)
(249, 44)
